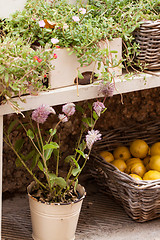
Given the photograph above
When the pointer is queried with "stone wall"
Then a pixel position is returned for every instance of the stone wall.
(140, 106)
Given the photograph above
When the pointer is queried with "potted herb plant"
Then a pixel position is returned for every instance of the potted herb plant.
(56, 198)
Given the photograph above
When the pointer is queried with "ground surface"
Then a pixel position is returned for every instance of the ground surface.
(101, 218)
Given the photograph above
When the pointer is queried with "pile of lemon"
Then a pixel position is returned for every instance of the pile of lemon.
(138, 160)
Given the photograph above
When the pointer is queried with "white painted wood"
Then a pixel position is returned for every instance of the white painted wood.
(69, 94)
(67, 66)
(8, 7)
(1, 164)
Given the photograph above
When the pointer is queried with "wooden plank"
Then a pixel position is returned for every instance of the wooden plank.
(69, 94)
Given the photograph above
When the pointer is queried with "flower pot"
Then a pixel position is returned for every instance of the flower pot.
(8, 7)
(55, 221)
(66, 65)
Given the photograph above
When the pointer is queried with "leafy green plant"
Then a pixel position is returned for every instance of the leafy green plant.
(55, 187)
(22, 69)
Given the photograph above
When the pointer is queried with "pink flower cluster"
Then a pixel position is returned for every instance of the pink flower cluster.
(41, 114)
(98, 107)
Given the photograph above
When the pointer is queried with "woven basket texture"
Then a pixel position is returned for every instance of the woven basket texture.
(140, 199)
(148, 38)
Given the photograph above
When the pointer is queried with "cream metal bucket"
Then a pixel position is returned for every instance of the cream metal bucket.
(55, 221)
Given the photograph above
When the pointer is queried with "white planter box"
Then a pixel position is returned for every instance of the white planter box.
(66, 65)
(8, 7)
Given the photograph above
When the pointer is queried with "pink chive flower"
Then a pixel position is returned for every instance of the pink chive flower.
(41, 114)
(98, 107)
(63, 118)
(92, 137)
(69, 109)
(54, 55)
(54, 40)
(75, 18)
(106, 89)
(41, 24)
(82, 10)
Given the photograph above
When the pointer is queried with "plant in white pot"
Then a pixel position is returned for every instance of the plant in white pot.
(56, 198)
(22, 69)
(79, 37)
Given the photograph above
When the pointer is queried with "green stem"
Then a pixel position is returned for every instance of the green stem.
(57, 165)
(44, 160)
(23, 163)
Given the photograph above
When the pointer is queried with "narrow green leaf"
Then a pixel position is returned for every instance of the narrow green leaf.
(75, 186)
(60, 182)
(90, 106)
(40, 165)
(95, 116)
(30, 134)
(35, 159)
(81, 153)
(18, 163)
(88, 121)
(75, 171)
(69, 158)
(52, 178)
(51, 145)
(52, 132)
(11, 126)
(80, 76)
(75, 162)
(48, 153)
(79, 108)
(19, 144)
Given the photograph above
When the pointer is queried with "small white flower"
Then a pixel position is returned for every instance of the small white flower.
(65, 26)
(91, 137)
(41, 23)
(63, 118)
(69, 109)
(82, 10)
(75, 18)
(54, 40)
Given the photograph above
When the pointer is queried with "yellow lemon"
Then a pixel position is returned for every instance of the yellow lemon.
(151, 175)
(154, 163)
(120, 164)
(146, 160)
(121, 152)
(139, 169)
(135, 176)
(133, 160)
(130, 162)
(155, 149)
(139, 148)
(108, 156)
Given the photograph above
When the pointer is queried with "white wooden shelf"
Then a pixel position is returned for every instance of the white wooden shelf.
(69, 94)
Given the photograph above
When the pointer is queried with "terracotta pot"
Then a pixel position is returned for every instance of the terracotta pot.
(54, 221)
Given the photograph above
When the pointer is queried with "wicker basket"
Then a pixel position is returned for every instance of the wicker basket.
(140, 199)
(148, 38)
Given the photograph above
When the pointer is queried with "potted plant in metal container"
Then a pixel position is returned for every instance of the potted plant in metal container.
(55, 198)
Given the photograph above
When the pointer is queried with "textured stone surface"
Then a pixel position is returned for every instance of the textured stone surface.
(139, 106)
